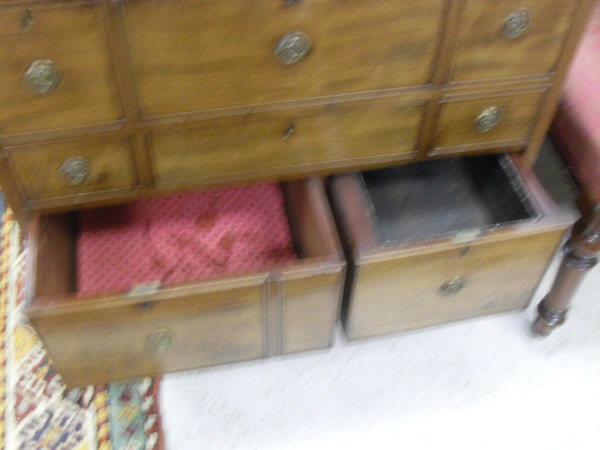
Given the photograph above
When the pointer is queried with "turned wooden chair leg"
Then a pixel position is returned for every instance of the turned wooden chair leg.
(581, 254)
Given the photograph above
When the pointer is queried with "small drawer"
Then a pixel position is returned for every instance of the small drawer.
(491, 122)
(68, 169)
(230, 53)
(511, 38)
(56, 69)
(290, 141)
(273, 299)
(442, 240)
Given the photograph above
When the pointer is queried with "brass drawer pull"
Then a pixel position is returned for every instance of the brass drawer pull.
(517, 23)
(489, 119)
(42, 76)
(292, 48)
(452, 287)
(159, 341)
(75, 170)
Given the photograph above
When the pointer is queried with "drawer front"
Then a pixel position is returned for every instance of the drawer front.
(310, 311)
(506, 38)
(124, 342)
(68, 168)
(439, 287)
(56, 70)
(470, 124)
(286, 140)
(217, 54)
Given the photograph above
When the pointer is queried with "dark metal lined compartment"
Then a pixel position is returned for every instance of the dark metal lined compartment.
(440, 198)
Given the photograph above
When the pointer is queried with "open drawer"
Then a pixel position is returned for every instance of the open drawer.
(442, 240)
(281, 308)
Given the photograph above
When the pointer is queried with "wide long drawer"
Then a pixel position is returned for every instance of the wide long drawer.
(441, 241)
(273, 143)
(95, 332)
(213, 54)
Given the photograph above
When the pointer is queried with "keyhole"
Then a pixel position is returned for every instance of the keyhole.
(26, 20)
(289, 131)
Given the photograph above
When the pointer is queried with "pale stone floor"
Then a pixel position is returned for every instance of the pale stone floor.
(486, 383)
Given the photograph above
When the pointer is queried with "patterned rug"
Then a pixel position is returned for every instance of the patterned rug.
(37, 411)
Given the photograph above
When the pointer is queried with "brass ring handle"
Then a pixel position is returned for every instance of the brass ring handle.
(42, 76)
(75, 170)
(452, 287)
(488, 119)
(517, 23)
(293, 47)
(159, 341)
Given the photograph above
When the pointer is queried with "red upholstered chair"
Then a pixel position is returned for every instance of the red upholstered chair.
(576, 130)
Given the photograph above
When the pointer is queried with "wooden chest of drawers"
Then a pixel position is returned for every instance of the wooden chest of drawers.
(152, 95)
(109, 101)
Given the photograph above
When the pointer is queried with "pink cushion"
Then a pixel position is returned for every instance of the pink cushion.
(577, 123)
(182, 238)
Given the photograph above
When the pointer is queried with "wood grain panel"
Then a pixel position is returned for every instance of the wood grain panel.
(310, 307)
(273, 311)
(456, 127)
(401, 294)
(258, 142)
(37, 167)
(211, 54)
(74, 38)
(88, 347)
(397, 287)
(483, 51)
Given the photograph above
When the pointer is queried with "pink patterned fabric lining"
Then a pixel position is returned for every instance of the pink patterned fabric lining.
(182, 238)
(577, 123)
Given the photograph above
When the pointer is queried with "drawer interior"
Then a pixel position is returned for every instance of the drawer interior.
(114, 250)
(439, 198)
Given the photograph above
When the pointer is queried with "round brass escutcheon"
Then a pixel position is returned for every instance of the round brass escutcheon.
(75, 170)
(452, 287)
(42, 76)
(517, 23)
(159, 341)
(292, 48)
(488, 119)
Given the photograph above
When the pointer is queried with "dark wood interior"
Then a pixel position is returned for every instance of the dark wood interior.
(434, 199)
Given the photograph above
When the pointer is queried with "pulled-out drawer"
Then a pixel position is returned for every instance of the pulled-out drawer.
(284, 307)
(442, 240)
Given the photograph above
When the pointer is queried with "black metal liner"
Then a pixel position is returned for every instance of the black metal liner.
(440, 198)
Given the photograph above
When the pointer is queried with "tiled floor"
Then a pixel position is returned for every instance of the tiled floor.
(481, 384)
